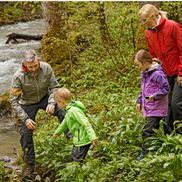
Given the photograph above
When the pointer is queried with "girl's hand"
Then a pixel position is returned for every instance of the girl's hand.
(150, 97)
(138, 107)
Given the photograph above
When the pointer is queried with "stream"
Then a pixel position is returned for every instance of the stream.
(10, 59)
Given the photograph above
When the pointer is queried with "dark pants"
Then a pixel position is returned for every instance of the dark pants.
(79, 153)
(26, 139)
(148, 130)
(175, 106)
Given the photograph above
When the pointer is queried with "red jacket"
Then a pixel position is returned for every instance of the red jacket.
(165, 43)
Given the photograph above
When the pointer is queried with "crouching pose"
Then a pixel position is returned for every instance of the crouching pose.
(76, 121)
(31, 90)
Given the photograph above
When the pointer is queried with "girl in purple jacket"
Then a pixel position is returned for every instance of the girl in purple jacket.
(153, 98)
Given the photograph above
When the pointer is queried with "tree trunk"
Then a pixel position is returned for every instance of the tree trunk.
(105, 35)
(55, 15)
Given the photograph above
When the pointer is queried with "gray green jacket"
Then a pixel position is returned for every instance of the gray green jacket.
(27, 89)
(78, 124)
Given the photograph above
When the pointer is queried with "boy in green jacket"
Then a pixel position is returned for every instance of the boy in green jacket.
(77, 123)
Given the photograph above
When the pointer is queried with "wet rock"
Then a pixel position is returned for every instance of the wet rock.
(5, 159)
(10, 166)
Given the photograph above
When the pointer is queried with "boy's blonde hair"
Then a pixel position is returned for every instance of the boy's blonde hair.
(149, 10)
(62, 93)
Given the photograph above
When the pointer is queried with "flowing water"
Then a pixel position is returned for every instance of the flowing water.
(10, 59)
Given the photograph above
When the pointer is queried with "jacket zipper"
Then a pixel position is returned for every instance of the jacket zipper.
(37, 88)
(78, 135)
(161, 50)
(144, 101)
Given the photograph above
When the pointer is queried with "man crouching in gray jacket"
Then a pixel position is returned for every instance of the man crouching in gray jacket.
(31, 90)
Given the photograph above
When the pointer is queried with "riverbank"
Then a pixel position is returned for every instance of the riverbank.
(13, 12)
(11, 56)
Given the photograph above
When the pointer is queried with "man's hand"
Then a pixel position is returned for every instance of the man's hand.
(138, 107)
(50, 108)
(30, 124)
(179, 81)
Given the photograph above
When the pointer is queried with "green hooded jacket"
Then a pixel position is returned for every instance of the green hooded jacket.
(78, 124)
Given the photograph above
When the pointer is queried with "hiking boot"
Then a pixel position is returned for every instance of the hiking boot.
(27, 173)
(140, 157)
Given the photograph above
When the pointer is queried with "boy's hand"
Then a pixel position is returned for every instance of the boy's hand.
(95, 143)
(55, 136)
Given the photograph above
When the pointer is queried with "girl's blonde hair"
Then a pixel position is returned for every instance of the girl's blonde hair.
(143, 56)
(149, 10)
(62, 93)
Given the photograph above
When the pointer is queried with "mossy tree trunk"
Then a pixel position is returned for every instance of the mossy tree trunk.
(55, 47)
(56, 17)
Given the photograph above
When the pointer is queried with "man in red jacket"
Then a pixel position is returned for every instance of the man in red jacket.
(164, 40)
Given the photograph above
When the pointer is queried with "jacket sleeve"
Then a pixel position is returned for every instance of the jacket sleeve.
(15, 94)
(177, 34)
(139, 99)
(83, 121)
(164, 87)
(61, 128)
(53, 84)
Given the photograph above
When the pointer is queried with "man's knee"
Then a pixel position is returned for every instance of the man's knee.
(26, 139)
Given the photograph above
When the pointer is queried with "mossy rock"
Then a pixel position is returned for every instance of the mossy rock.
(5, 106)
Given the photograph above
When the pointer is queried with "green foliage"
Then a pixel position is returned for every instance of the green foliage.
(2, 171)
(75, 42)
(11, 12)
(94, 60)
(173, 10)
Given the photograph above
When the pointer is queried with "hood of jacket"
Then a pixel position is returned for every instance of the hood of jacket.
(77, 104)
(153, 67)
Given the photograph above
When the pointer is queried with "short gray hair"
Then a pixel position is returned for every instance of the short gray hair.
(30, 55)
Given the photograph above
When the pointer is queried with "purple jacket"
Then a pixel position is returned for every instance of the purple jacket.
(154, 83)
